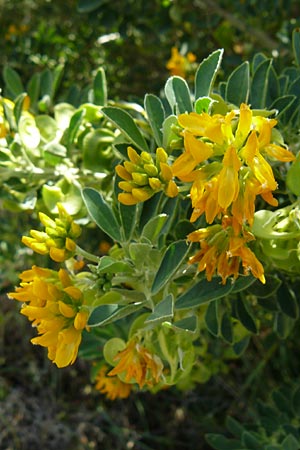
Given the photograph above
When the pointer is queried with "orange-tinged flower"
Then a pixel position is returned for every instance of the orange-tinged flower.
(249, 261)
(112, 387)
(223, 248)
(56, 308)
(179, 64)
(138, 364)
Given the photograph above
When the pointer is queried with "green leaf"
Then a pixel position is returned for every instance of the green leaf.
(281, 104)
(287, 301)
(203, 104)
(265, 290)
(153, 228)
(46, 85)
(172, 259)
(238, 84)
(296, 402)
(139, 252)
(219, 442)
(226, 328)
(105, 314)
(111, 348)
(206, 74)
(33, 89)
(156, 116)
(108, 264)
(101, 213)
(168, 133)
(19, 106)
(86, 6)
(283, 325)
(257, 60)
(188, 324)
(259, 86)
(242, 283)
(74, 126)
(296, 45)
(245, 316)
(282, 402)
(250, 441)
(97, 152)
(212, 317)
(269, 303)
(109, 298)
(178, 95)
(129, 219)
(283, 81)
(100, 88)
(57, 77)
(273, 86)
(264, 224)
(47, 126)
(203, 292)
(127, 126)
(162, 311)
(240, 346)
(290, 443)
(28, 131)
(293, 176)
(13, 81)
(54, 153)
(63, 112)
(235, 428)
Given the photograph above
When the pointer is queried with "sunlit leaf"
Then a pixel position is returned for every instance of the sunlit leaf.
(101, 213)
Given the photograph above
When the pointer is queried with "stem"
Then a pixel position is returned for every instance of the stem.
(87, 255)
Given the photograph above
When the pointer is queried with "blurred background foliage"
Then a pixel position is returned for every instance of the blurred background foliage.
(132, 41)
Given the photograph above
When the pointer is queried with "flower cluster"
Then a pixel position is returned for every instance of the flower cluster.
(56, 308)
(138, 364)
(225, 158)
(181, 65)
(143, 178)
(58, 239)
(223, 250)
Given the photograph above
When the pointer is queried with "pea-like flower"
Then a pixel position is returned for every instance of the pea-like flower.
(226, 157)
(112, 387)
(58, 239)
(142, 177)
(56, 308)
(181, 65)
(138, 364)
(223, 249)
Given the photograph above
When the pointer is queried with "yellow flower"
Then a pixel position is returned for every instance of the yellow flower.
(143, 178)
(138, 364)
(58, 239)
(179, 64)
(112, 387)
(224, 247)
(225, 159)
(56, 308)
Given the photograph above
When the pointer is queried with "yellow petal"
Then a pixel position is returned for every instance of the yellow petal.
(199, 150)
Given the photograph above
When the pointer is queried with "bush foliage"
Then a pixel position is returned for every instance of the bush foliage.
(159, 253)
